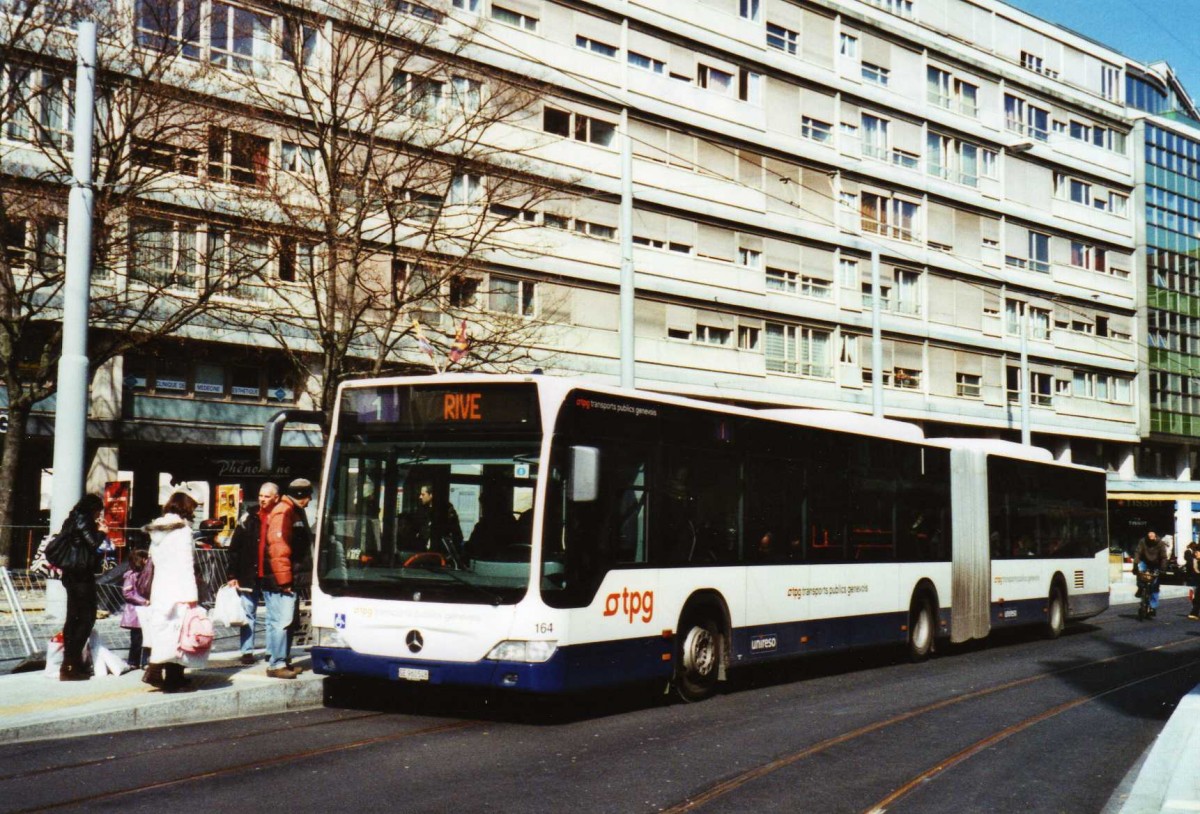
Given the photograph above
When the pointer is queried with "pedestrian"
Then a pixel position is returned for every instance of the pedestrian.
(245, 562)
(1151, 557)
(285, 555)
(172, 592)
(1191, 569)
(83, 522)
(136, 590)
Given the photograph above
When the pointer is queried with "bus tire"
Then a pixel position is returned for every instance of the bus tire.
(1056, 613)
(922, 629)
(701, 647)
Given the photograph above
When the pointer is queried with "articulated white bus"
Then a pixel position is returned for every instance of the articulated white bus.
(548, 535)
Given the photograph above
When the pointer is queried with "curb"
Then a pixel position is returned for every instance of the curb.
(215, 697)
(1166, 777)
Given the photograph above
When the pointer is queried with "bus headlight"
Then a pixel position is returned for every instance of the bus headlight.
(530, 652)
(329, 637)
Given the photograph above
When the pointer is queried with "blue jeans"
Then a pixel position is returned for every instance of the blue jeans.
(281, 608)
(250, 600)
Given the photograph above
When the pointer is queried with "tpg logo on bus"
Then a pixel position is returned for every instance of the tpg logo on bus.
(630, 603)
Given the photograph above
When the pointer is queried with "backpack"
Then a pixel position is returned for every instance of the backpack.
(197, 633)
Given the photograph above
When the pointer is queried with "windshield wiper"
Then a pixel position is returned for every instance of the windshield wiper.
(437, 568)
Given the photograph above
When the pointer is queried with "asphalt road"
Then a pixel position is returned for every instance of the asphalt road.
(1019, 724)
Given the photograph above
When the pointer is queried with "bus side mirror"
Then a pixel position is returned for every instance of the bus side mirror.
(585, 474)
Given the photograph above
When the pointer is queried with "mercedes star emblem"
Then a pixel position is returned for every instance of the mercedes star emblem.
(414, 641)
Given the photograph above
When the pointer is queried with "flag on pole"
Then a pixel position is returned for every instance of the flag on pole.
(462, 343)
(422, 342)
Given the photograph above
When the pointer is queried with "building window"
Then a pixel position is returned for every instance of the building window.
(1038, 257)
(1100, 386)
(169, 25)
(596, 47)
(515, 297)
(1085, 255)
(646, 63)
(238, 158)
(875, 137)
(297, 158)
(418, 10)
(579, 127)
(712, 335)
(814, 130)
(297, 260)
(50, 247)
(299, 45)
(465, 188)
(968, 385)
(908, 292)
(749, 9)
(815, 288)
(902, 8)
(750, 258)
(241, 39)
(890, 217)
(1026, 119)
(748, 337)
(782, 281)
(513, 18)
(782, 39)
(468, 5)
(876, 73)
(715, 79)
(411, 204)
(465, 94)
(416, 95)
(848, 273)
(797, 350)
(848, 47)
(464, 291)
(1041, 387)
(163, 254)
(945, 91)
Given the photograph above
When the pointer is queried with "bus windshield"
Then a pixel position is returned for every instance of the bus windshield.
(434, 521)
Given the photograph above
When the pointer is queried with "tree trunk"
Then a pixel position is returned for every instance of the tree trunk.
(10, 461)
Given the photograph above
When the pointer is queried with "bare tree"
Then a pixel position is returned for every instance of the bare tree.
(148, 278)
(402, 190)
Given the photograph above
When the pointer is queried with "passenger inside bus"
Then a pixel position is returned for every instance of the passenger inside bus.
(496, 529)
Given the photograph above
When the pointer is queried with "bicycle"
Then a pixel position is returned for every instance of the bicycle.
(1148, 582)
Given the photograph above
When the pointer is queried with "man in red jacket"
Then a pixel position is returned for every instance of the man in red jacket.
(285, 545)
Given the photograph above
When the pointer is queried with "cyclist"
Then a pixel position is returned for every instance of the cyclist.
(1150, 558)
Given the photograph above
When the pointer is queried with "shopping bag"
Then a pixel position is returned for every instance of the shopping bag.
(54, 655)
(104, 661)
(196, 634)
(228, 609)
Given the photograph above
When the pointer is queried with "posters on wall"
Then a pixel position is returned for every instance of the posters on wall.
(229, 504)
(116, 509)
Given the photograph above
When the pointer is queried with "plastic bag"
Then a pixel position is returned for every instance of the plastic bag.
(104, 661)
(228, 609)
(54, 655)
(197, 634)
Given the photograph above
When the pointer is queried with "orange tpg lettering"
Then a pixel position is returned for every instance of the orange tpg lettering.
(630, 603)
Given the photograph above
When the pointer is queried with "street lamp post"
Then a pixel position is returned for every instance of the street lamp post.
(70, 413)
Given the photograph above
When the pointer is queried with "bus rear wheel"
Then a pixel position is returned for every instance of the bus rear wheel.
(699, 658)
(1056, 614)
(921, 629)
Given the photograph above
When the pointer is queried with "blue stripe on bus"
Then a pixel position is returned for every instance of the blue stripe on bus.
(577, 667)
(606, 664)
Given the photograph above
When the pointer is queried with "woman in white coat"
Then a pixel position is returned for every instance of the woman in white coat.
(172, 592)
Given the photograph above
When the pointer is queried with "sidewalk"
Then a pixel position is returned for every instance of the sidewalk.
(35, 706)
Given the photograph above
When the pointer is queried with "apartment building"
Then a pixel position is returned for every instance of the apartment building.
(1159, 490)
(988, 158)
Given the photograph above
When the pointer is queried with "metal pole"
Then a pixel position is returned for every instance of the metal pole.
(628, 289)
(70, 413)
(876, 339)
(1026, 437)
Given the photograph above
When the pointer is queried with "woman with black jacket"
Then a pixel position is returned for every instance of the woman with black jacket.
(80, 586)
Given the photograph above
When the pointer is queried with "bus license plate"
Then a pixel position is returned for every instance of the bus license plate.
(412, 674)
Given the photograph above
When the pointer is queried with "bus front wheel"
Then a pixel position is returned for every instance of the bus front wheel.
(1056, 614)
(699, 658)
(921, 629)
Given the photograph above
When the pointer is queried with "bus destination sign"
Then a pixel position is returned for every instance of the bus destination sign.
(452, 407)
